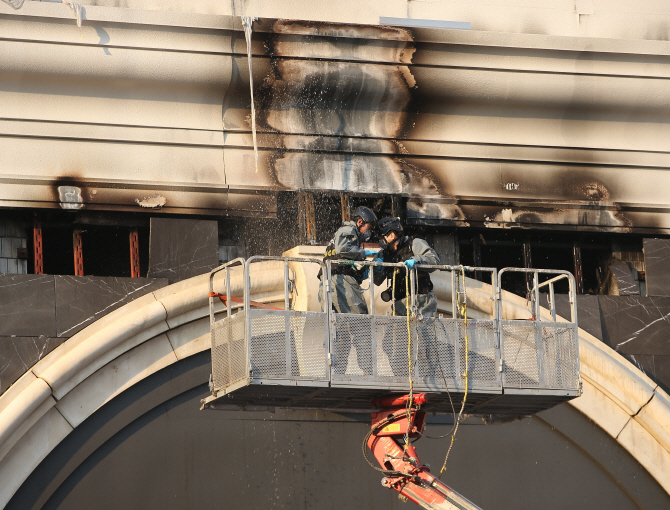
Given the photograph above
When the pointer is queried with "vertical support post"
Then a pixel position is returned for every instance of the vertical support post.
(577, 258)
(373, 323)
(247, 317)
(307, 218)
(38, 254)
(411, 274)
(539, 339)
(536, 295)
(211, 300)
(416, 324)
(228, 307)
(372, 290)
(573, 301)
(497, 327)
(78, 253)
(346, 208)
(527, 263)
(287, 320)
(330, 315)
(454, 295)
(286, 280)
(134, 253)
(552, 303)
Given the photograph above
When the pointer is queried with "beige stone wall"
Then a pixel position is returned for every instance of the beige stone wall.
(504, 125)
(617, 19)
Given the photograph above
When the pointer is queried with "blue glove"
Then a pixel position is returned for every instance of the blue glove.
(410, 263)
(366, 273)
(378, 269)
(370, 252)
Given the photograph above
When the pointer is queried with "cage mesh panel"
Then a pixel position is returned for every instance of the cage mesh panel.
(228, 351)
(440, 361)
(391, 353)
(268, 345)
(308, 345)
(481, 353)
(520, 366)
(441, 356)
(352, 348)
(559, 358)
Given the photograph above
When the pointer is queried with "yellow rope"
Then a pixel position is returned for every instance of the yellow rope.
(464, 313)
(409, 358)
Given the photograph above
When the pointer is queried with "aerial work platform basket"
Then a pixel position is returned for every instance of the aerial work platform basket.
(515, 357)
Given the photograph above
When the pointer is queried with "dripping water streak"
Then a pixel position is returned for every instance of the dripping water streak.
(247, 22)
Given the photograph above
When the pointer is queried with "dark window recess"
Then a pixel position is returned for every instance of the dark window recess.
(553, 257)
(58, 250)
(506, 255)
(466, 252)
(106, 250)
(594, 262)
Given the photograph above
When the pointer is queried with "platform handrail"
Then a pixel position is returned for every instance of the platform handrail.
(222, 267)
(460, 269)
(537, 286)
(370, 264)
(286, 260)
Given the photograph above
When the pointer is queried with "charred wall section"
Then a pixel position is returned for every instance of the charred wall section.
(473, 129)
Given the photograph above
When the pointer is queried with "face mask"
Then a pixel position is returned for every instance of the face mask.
(367, 235)
(382, 243)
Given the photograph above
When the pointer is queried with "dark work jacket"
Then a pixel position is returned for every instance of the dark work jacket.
(409, 248)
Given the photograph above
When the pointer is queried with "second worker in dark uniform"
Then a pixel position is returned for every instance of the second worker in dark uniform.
(397, 247)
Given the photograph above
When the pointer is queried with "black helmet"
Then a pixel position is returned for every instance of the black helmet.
(366, 215)
(387, 225)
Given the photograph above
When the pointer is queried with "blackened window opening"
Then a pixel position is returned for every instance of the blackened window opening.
(106, 250)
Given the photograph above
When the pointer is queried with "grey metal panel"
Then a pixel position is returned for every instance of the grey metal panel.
(27, 305)
(657, 264)
(182, 248)
(18, 354)
(81, 300)
(636, 325)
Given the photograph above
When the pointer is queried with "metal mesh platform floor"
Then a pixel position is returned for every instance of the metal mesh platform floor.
(256, 396)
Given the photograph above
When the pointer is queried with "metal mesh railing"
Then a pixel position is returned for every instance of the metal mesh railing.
(229, 353)
(559, 353)
(297, 347)
(540, 352)
(520, 361)
(287, 344)
(269, 352)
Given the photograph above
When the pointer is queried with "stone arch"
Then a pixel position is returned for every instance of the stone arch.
(170, 325)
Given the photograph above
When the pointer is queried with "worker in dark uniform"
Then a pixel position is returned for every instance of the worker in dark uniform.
(347, 294)
(397, 247)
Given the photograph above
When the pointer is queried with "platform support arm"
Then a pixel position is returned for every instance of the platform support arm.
(404, 472)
